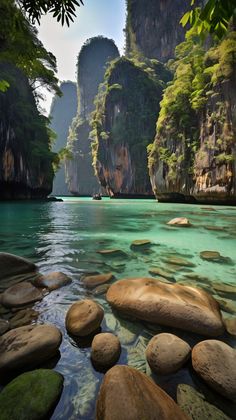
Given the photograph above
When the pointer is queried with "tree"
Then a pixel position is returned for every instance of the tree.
(62, 10)
(214, 17)
(20, 46)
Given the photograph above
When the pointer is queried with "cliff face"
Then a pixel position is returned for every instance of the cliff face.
(153, 27)
(63, 110)
(194, 153)
(25, 157)
(92, 62)
(123, 124)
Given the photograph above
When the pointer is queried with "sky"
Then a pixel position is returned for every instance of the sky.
(96, 17)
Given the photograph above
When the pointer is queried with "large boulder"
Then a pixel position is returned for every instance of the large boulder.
(105, 349)
(129, 394)
(173, 305)
(166, 353)
(84, 317)
(195, 406)
(20, 294)
(31, 396)
(28, 347)
(215, 362)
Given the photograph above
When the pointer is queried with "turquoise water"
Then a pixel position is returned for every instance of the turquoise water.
(64, 236)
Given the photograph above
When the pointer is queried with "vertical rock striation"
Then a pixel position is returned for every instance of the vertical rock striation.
(193, 157)
(92, 62)
(25, 156)
(153, 28)
(123, 123)
(62, 111)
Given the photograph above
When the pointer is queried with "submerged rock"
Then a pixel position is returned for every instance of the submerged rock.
(230, 325)
(139, 244)
(11, 265)
(53, 281)
(93, 281)
(4, 326)
(224, 287)
(112, 252)
(84, 317)
(129, 394)
(180, 221)
(173, 260)
(23, 317)
(28, 347)
(156, 271)
(101, 290)
(167, 353)
(195, 406)
(20, 294)
(174, 305)
(211, 256)
(215, 362)
(31, 396)
(105, 350)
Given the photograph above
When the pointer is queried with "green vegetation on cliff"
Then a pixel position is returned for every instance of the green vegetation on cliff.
(124, 121)
(196, 107)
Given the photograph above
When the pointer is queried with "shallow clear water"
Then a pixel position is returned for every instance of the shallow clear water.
(64, 236)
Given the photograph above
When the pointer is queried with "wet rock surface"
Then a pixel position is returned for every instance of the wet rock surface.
(84, 317)
(166, 353)
(105, 350)
(175, 305)
(27, 347)
(52, 281)
(20, 294)
(31, 396)
(130, 392)
(92, 281)
(180, 221)
(215, 362)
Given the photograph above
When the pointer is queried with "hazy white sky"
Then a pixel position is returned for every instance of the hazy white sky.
(96, 17)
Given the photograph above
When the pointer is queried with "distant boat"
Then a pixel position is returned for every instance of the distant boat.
(97, 196)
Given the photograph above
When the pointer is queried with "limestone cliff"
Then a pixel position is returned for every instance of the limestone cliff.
(123, 124)
(194, 153)
(92, 62)
(25, 156)
(63, 110)
(153, 28)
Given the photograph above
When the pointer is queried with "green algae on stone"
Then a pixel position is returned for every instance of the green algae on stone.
(195, 406)
(31, 396)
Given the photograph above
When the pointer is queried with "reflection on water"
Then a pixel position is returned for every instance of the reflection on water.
(65, 236)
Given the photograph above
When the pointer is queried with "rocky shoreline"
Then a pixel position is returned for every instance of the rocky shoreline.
(137, 392)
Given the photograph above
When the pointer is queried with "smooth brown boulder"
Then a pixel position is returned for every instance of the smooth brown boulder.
(173, 305)
(28, 347)
(215, 362)
(53, 281)
(180, 221)
(140, 244)
(128, 394)
(84, 317)
(92, 281)
(210, 255)
(111, 252)
(167, 353)
(105, 349)
(20, 294)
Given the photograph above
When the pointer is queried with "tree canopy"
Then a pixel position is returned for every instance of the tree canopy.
(20, 46)
(214, 17)
(62, 10)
